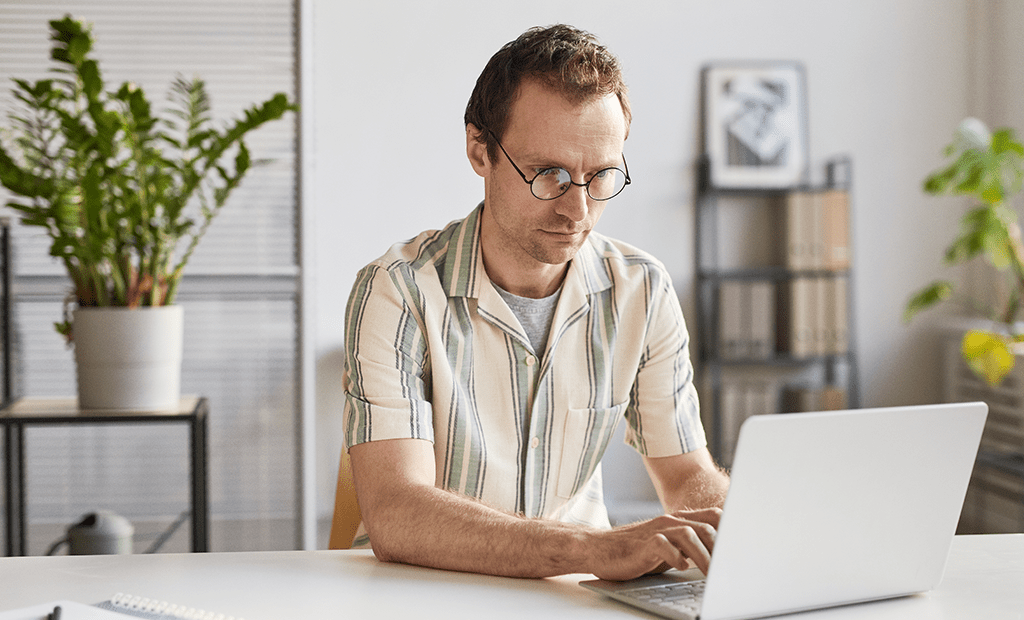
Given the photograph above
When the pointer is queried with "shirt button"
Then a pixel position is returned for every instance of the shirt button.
(530, 360)
(535, 442)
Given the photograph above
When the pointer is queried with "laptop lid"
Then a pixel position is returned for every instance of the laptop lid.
(840, 507)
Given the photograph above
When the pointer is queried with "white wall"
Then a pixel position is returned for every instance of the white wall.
(888, 81)
(1000, 49)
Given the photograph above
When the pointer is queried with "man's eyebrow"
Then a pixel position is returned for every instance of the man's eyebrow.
(543, 162)
(538, 159)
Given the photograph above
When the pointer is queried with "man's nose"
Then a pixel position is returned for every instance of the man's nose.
(573, 203)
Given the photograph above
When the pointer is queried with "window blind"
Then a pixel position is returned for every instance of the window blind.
(240, 292)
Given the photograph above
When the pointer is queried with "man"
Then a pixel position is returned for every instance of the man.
(489, 363)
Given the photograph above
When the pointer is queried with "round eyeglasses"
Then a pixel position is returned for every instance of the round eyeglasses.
(550, 183)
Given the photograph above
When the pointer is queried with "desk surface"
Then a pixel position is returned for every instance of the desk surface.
(983, 580)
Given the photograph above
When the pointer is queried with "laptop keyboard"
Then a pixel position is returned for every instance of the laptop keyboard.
(674, 600)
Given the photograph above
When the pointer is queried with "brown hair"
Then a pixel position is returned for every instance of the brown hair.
(566, 59)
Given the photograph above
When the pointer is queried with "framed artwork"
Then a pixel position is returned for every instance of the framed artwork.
(755, 124)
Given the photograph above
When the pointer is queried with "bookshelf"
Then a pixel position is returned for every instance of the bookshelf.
(776, 333)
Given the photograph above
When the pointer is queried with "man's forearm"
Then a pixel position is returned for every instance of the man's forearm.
(410, 520)
(690, 481)
(705, 489)
(432, 527)
(436, 528)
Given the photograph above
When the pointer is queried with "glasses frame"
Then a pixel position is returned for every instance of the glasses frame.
(585, 186)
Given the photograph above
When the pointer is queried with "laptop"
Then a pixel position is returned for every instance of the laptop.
(828, 509)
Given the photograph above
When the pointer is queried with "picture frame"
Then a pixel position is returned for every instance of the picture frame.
(755, 124)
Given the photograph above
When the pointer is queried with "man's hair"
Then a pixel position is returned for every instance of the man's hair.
(567, 60)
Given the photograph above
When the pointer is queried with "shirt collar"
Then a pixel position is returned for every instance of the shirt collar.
(464, 275)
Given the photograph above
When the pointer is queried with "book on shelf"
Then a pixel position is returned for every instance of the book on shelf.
(762, 320)
(797, 320)
(812, 316)
(835, 229)
(797, 399)
(799, 230)
(817, 230)
(746, 327)
(730, 320)
(836, 326)
(740, 400)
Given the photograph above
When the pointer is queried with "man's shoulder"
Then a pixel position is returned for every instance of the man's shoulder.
(620, 255)
(445, 261)
(424, 249)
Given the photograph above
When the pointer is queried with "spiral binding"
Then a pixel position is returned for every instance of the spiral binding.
(158, 610)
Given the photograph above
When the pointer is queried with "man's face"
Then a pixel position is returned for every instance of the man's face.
(522, 234)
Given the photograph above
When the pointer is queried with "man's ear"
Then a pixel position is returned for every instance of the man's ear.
(476, 150)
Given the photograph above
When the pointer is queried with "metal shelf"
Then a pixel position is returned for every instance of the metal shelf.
(778, 274)
(710, 275)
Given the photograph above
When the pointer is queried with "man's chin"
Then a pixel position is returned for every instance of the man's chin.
(558, 252)
(556, 257)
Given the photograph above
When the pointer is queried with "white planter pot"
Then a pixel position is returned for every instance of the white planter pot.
(128, 358)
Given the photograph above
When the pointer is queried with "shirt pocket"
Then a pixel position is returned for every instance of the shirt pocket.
(584, 439)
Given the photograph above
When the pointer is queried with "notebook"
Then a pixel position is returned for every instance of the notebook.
(118, 607)
(832, 508)
(70, 610)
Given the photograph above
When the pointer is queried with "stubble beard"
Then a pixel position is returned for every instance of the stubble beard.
(553, 254)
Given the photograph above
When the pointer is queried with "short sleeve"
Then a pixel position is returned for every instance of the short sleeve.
(663, 418)
(386, 392)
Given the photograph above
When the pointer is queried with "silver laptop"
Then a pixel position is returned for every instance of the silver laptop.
(828, 509)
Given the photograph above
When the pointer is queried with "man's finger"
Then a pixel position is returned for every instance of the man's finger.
(670, 553)
(711, 516)
(690, 543)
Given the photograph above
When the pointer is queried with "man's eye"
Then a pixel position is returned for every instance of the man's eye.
(549, 172)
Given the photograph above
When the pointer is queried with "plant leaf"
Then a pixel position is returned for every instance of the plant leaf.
(926, 298)
(988, 355)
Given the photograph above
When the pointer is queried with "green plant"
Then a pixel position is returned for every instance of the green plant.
(125, 195)
(985, 166)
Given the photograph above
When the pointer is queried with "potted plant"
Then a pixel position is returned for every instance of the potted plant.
(125, 195)
(987, 167)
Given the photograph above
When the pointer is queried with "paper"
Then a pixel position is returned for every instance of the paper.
(70, 610)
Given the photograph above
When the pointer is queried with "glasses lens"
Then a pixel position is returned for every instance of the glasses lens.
(606, 184)
(551, 183)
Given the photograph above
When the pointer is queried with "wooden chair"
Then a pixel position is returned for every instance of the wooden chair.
(346, 509)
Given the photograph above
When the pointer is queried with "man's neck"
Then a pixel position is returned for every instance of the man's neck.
(535, 283)
(515, 270)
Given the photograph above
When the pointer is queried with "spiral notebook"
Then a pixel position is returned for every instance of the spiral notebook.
(119, 607)
(150, 609)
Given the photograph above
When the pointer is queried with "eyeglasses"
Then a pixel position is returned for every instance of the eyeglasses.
(550, 183)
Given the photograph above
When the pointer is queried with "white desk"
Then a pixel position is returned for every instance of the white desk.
(984, 579)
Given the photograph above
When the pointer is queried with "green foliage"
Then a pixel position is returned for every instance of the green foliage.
(989, 355)
(988, 168)
(125, 195)
(927, 297)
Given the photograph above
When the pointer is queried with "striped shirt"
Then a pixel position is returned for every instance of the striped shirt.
(433, 352)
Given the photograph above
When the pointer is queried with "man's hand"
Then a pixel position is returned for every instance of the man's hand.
(679, 540)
